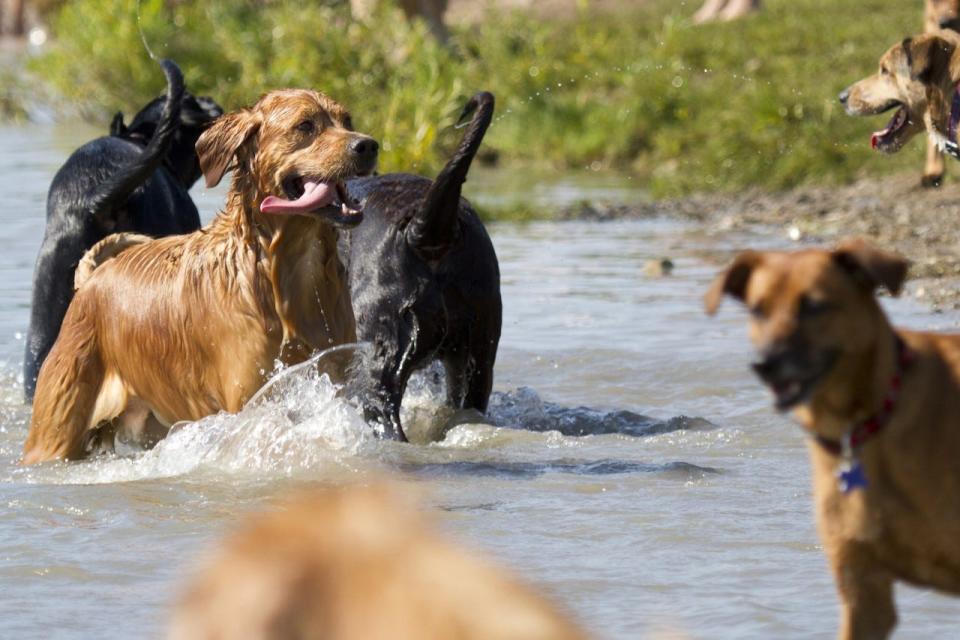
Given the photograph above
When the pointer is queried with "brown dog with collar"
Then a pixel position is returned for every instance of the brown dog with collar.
(918, 78)
(940, 17)
(882, 407)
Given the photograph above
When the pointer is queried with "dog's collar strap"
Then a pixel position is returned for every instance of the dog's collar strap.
(952, 146)
(861, 432)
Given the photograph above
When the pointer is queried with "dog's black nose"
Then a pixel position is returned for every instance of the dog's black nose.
(365, 147)
(844, 96)
(771, 363)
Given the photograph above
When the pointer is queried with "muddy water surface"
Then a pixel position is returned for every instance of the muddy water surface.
(635, 469)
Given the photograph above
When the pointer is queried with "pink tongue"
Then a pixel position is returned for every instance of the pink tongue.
(315, 195)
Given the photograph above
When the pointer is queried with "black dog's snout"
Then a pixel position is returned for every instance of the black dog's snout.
(844, 96)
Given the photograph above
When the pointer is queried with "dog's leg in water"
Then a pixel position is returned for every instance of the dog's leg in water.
(866, 595)
(470, 376)
(67, 392)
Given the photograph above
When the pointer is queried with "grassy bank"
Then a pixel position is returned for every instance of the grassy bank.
(686, 108)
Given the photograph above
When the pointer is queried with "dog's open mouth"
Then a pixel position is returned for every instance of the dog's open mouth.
(788, 394)
(793, 383)
(886, 139)
(315, 196)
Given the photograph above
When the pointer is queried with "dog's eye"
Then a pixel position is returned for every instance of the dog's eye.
(884, 71)
(348, 123)
(757, 311)
(306, 126)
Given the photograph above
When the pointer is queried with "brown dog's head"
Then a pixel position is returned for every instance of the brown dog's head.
(290, 152)
(943, 15)
(914, 78)
(809, 309)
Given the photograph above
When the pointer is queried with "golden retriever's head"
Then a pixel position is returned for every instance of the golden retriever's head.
(943, 15)
(291, 152)
(914, 79)
(810, 310)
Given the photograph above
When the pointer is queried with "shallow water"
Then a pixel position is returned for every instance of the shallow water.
(636, 470)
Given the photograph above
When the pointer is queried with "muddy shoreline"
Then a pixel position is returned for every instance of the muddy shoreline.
(895, 212)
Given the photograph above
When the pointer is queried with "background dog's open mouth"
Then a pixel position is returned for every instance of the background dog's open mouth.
(309, 195)
(884, 137)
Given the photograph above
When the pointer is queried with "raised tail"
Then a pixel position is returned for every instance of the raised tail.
(434, 228)
(114, 191)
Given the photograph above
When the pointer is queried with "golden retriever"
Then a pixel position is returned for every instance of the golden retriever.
(182, 327)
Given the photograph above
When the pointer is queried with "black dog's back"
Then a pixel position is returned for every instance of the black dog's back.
(425, 283)
(134, 180)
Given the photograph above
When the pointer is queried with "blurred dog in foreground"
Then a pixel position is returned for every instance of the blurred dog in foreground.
(881, 407)
(425, 283)
(182, 327)
(357, 564)
(135, 179)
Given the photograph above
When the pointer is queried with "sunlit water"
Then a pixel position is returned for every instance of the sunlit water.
(635, 470)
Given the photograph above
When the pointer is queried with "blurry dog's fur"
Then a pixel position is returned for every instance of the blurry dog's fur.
(357, 564)
(185, 326)
(918, 77)
(425, 283)
(939, 16)
(828, 352)
(135, 179)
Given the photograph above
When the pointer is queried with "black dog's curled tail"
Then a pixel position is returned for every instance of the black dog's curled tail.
(434, 228)
(114, 191)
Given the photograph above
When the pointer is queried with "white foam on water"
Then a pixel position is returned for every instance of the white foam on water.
(296, 425)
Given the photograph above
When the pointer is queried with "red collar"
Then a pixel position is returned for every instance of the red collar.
(859, 433)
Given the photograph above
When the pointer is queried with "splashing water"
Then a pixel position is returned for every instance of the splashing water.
(143, 37)
(295, 425)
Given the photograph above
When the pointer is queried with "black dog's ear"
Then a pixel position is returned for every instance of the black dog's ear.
(732, 280)
(871, 267)
(117, 128)
(928, 57)
(218, 145)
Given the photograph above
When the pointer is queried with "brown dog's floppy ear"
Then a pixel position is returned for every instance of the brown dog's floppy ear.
(871, 267)
(219, 144)
(733, 280)
(928, 57)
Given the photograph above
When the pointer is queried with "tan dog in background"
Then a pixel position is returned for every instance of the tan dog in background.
(940, 17)
(357, 564)
(431, 11)
(185, 326)
(882, 408)
(917, 77)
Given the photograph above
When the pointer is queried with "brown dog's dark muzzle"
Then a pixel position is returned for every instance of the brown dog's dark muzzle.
(792, 372)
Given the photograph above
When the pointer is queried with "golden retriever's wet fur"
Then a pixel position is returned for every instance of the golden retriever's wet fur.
(819, 306)
(182, 327)
(357, 564)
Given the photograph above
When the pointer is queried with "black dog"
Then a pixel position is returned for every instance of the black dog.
(135, 179)
(425, 284)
